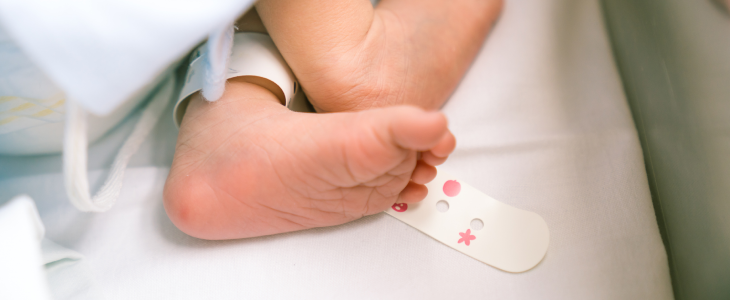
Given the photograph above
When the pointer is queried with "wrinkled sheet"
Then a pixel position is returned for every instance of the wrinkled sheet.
(542, 124)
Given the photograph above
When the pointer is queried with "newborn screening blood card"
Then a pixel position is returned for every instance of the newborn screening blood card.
(471, 222)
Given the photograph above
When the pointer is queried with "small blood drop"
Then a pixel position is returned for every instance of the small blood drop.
(452, 188)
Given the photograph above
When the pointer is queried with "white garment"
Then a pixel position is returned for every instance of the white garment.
(103, 52)
(32, 132)
(106, 56)
(32, 107)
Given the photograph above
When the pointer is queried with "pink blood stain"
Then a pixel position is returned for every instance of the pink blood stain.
(400, 207)
(452, 188)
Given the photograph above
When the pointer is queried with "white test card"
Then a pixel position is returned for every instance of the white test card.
(509, 239)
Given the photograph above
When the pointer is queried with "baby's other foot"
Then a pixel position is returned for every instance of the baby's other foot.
(246, 166)
(349, 56)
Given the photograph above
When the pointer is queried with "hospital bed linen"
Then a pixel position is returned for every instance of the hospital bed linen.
(21, 231)
(28, 260)
(542, 124)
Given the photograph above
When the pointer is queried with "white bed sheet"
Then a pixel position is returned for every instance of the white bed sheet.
(542, 124)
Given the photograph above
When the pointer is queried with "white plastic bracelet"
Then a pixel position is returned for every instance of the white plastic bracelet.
(253, 54)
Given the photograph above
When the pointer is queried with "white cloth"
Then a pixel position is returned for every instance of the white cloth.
(68, 273)
(542, 125)
(28, 262)
(102, 52)
(21, 267)
(75, 158)
(32, 107)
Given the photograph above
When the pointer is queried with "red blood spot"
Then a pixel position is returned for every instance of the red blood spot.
(452, 188)
(400, 207)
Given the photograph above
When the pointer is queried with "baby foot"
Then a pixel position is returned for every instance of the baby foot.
(349, 57)
(246, 166)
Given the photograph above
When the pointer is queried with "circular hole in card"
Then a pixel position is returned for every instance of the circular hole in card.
(476, 224)
(442, 206)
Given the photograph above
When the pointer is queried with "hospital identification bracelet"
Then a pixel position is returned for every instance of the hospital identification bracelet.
(253, 57)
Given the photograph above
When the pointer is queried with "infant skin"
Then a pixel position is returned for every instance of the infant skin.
(247, 166)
